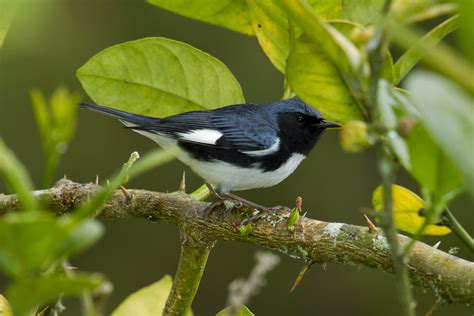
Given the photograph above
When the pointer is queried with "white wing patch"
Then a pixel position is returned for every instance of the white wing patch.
(272, 149)
(204, 136)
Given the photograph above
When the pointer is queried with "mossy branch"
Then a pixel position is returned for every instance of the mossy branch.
(451, 278)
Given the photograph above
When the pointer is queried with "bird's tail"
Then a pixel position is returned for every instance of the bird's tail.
(129, 119)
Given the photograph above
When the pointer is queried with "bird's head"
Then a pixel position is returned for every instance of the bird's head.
(300, 125)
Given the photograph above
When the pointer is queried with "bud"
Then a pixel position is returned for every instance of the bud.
(354, 136)
(405, 126)
(361, 35)
(293, 219)
(246, 230)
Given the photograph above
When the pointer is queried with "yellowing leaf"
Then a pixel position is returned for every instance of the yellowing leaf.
(5, 309)
(148, 301)
(406, 211)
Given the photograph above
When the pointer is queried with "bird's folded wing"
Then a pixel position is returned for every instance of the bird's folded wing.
(236, 132)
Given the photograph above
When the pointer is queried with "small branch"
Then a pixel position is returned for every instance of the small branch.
(241, 291)
(195, 249)
(405, 295)
(450, 278)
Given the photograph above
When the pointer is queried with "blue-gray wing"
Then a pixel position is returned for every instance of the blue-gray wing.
(235, 127)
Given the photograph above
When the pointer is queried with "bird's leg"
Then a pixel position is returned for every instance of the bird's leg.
(217, 200)
(250, 204)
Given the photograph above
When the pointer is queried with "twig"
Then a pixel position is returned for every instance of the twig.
(242, 290)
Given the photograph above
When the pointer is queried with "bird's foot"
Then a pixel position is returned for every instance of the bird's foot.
(221, 198)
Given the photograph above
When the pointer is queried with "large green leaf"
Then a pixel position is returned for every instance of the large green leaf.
(314, 76)
(431, 167)
(447, 112)
(231, 14)
(27, 294)
(158, 77)
(412, 56)
(148, 301)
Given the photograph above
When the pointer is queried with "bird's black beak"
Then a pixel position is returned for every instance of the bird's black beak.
(327, 124)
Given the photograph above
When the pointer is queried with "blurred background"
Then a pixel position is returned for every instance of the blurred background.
(50, 39)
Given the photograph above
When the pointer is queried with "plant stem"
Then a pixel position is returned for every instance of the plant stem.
(195, 249)
(459, 230)
(51, 165)
(387, 172)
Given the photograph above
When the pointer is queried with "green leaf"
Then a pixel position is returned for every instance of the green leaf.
(231, 14)
(148, 301)
(28, 242)
(28, 293)
(31, 242)
(81, 236)
(56, 119)
(244, 311)
(412, 56)
(431, 167)
(7, 12)
(447, 114)
(16, 177)
(315, 77)
(158, 77)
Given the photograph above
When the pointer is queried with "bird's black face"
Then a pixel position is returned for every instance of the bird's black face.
(300, 130)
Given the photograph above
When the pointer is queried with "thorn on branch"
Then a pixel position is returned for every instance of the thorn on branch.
(182, 184)
(127, 193)
(370, 225)
(302, 273)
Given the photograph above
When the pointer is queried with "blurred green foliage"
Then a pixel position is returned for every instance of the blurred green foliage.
(325, 62)
(56, 119)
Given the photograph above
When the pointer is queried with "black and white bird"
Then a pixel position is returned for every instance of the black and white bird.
(236, 147)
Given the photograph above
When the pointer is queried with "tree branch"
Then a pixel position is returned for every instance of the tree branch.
(195, 249)
(450, 278)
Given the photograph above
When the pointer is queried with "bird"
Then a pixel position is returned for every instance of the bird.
(235, 147)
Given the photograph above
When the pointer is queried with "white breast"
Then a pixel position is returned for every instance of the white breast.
(229, 177)
(233, 178)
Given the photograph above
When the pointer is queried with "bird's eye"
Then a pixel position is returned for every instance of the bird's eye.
(300, 119)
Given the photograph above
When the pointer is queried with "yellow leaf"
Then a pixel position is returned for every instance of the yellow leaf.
(406, 211)
(148, 301)
(5, 309)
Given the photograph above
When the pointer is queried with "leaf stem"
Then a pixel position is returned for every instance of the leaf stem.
(195, 249)
(459, 230)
